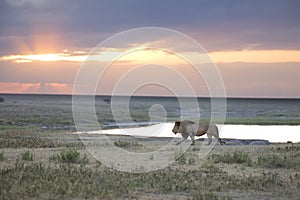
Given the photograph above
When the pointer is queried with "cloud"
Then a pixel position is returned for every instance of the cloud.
(218, 25)
(30, 27)
(24, 2)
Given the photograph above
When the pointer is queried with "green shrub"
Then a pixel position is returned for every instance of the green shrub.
(27, 156)
(2, 158)
(69, 156)
(127, 144)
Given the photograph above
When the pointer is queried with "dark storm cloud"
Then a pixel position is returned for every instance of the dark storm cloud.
(230, 24)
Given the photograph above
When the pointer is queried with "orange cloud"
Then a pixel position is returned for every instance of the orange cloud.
(256, 56)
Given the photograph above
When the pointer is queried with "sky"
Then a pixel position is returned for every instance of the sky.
(255, 45)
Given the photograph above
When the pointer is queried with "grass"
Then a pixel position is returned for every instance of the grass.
(27, 156)
(287, 149)
(69, 177)
(127, 144)
(2, 157)
(9, 127)
(253, 121)
(191, 161)
(210, 168)
(276, 161)
(273, 161)
(281, 157)
(235, 157)
(70, 174)
(33, 138)
(208, 196)
(181, 160)
(180, 157)
(37, 181)
(68, 181)
(69, 156)
(262, 121)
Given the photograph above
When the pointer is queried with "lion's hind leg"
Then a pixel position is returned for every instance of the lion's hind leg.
(192, 137)
(215, 132)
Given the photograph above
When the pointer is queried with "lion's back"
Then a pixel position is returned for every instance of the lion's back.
(203, 126)
(188, 127)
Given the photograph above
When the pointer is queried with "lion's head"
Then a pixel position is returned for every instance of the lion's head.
(176, 127)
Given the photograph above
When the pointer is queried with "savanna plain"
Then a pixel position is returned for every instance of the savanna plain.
(41, 158)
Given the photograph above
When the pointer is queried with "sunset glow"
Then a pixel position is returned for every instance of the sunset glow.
(51, 57)
(163, 57)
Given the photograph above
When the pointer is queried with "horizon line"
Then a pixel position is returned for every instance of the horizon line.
(159, 96)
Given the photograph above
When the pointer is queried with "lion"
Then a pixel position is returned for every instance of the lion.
(189, 128)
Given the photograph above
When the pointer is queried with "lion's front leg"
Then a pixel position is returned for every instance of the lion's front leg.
(209, 139)
(193, 138)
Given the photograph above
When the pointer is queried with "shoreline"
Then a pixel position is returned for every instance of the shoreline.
(271, 133)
